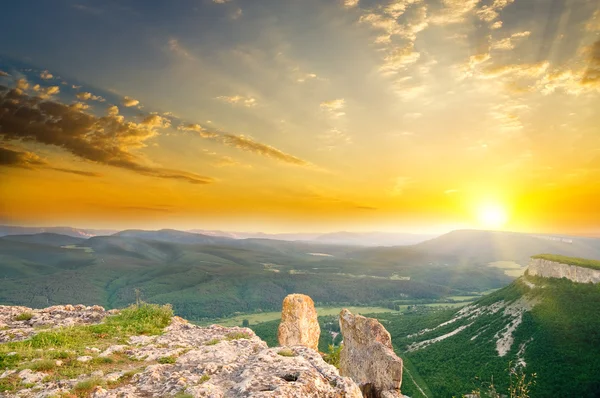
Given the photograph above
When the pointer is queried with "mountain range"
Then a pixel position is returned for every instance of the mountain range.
(207, 276)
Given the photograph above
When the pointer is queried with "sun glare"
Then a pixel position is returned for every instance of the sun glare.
(492, 216)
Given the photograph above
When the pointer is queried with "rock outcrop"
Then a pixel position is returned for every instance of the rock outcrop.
(19, 323)
(551, 269)
(368, 358)
(214, 361)
(299, 325)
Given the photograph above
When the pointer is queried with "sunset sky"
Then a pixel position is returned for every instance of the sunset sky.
(301, 115)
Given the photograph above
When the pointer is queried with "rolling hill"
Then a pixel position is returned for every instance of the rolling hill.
(211, 277)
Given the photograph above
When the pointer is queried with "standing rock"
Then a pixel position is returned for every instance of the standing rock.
(299, 325)
(368, 358)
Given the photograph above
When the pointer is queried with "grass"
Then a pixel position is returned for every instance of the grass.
(204, 378)
(213, 342)
(237, 336)
(167, 360)
(273, 315)
(24, 316)
(85, 387)
(286, 352)
(42, 365)
(579, 262)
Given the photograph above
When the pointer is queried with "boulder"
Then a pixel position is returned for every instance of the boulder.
(299, 325)
(367, 356)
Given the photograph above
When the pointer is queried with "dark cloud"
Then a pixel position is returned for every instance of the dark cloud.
(106, 140)
(29, 160)
(592, 73)
(9, 157)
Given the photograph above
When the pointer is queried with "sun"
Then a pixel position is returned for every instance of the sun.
(492, 216)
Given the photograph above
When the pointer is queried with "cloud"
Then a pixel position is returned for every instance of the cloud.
(236, 14)
(29, 160)
(335, 138)
(451, 191)
(84, 96)
(350, 3)
(179, 49)
(238, 100)
(79, 106)
(244, 143)
(46, 92)
(46, 75)
(399, 58)
(334, 107)
(305, 77)
(248, 144)
(413, 115)
(591, 76)
(198, 129)
(129, 102)
(508, 42)
(2, 73)
(454, 11)
(496, 25)
(221, 1)
(521, 70)
(593, 25)
(490, 12)
(22, 84)
(107, 140)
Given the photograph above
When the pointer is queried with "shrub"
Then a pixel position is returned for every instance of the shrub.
(213, 342)
(286, 352)
(43, 365)
(333, 355)
(165, 360)
(24, 316)
(85, 387)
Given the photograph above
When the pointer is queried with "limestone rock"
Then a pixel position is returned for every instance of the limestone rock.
(368, 358)
(551, 269)
(299, 325)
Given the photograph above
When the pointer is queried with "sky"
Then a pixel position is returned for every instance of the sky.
(301, 115)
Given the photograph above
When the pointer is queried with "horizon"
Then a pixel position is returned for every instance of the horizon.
(421, 116)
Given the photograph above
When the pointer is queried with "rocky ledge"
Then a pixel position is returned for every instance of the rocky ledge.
(184, 360)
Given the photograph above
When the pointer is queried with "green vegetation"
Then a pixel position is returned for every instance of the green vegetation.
(237, 336)
(579, 262)
(204, 378)
(333, 355)
(43, 365)
(167, 360)
(213, 342)
(219, 278)
(24, 316)
(84, 388)
(286, 352)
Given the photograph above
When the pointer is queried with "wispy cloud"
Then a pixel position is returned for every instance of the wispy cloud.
(84, 96)
(238, 100)
(334, 107)
(46, 75)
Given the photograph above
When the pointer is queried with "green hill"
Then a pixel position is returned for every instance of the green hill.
(547, 327)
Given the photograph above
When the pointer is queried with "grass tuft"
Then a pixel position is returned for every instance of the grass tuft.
(213, 342)
(42, 365)
(286, 352)
(85, 387)
(24, 316)
(166, 360)
(237, 336)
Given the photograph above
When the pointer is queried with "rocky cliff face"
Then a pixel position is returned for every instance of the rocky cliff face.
(184, 359)
(299, 324)
(551, 269)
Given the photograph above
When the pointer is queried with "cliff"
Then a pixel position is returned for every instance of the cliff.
(147, 352)
(563, 267)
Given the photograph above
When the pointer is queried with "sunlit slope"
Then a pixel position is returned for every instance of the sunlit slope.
(550, 327)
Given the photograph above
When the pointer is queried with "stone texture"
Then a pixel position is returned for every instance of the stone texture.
(551, 269)
(51, 317)
(368, 358)
(299, 325)
(212, 361)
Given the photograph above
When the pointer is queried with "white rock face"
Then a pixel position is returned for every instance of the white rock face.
(551, 269)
